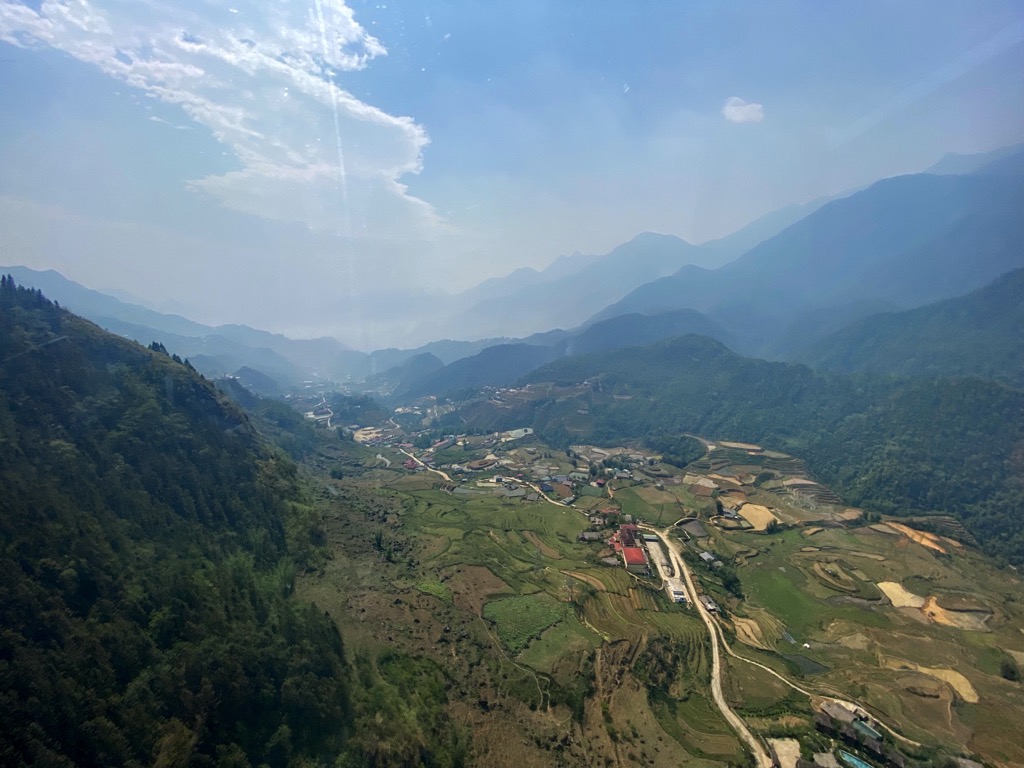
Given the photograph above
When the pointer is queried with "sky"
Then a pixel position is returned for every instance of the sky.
(322, 167)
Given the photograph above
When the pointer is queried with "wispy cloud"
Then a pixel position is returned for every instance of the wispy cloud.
(736, 110)
(266, 79)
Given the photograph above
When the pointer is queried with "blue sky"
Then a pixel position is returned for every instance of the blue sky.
(299, 165)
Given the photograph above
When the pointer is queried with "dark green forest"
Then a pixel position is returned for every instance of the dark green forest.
(149, 541)
(894, 445)
(978, 334)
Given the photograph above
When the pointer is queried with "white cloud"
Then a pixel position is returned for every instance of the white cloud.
(264, 78)
(736, 110)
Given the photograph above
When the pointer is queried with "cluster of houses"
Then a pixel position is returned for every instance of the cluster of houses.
(856, 729)
(628, 544)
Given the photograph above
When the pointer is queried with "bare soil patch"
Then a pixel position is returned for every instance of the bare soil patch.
(757, 515)
(471, 585)
(868, 555)
(899, 596)
(884, 528)
(787, 750)
(811, 531)
(963, 687)
(925, 539)
(742, 446)
(748, 631)
(975, 621)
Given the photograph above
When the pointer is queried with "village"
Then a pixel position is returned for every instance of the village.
(682, 531)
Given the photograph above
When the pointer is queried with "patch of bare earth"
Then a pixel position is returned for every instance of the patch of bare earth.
(975, 621)
(925, 539)
(787, 750)
(472, 585)
(899, 596)
(955, 680)
(748, 632)
(758, 516)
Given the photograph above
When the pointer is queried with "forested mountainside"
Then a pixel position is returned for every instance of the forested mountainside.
(979, 334)
(900, 446)
(149, 542)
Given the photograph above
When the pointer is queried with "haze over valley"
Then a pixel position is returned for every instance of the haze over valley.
(493, 385)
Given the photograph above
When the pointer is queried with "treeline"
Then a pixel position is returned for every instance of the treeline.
(901, 446)
(148, 542)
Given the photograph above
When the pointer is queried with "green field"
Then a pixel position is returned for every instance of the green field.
(521, 619)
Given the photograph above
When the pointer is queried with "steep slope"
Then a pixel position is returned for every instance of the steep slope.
(975, 335)
(225, 347)
(147, 546)
(904, 241)
(636, 330)
(402, 377)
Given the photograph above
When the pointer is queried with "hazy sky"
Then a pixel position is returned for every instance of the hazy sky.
(300, 166)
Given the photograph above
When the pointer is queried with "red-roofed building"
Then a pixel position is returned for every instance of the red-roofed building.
(634, 559)
(629, 534)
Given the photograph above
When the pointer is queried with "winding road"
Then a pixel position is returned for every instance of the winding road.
(717, 637)
(735, 721)
(429, 469)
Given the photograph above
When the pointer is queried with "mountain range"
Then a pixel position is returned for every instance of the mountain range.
(773, 289)
(901, 243)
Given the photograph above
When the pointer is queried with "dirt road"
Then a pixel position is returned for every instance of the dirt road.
(734, 720)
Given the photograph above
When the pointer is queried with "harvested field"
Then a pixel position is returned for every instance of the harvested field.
(868, 555)
(694, 529)
(742, 446)
(925, 539)
(699, 480)
(543, 548)
(787, 750)
(974, 621)
(748, 631)
(900, 597)
(962, 603)
(834, 576)
(963, 687)
(757, 515)
(884, 528)
(654, 496)
(858, 641)
(593, 581)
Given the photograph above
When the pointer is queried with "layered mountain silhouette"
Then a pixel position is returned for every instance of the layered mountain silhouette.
(901, 243)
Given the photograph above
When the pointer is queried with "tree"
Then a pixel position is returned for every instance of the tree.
(1009, 670)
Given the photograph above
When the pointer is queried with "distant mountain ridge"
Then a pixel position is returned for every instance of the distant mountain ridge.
(221, 349)
(980, 334)
(900, 243)
(568, 290)
(503, 364)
